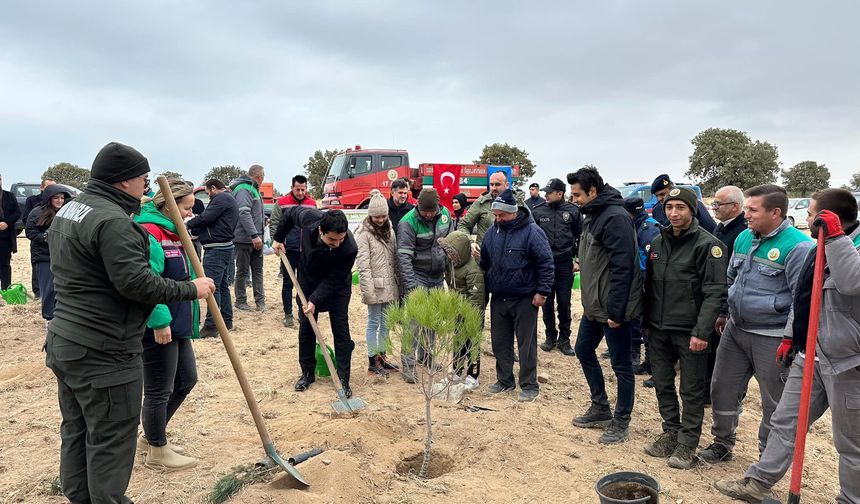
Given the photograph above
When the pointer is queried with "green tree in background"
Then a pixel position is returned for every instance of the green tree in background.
(854, 182)
(316, 169)
(805, 178)
(224, 173)
(504, 154)
(68, 174)
(729, 157)
(172, 175)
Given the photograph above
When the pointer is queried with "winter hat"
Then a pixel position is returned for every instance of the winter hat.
(378, 206)
(634, 204)
(117, 162)
(661, 182)
(534, 185)
(685, 195)
(505, 202)
(428, 200)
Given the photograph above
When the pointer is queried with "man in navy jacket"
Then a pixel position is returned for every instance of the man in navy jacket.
(518, 261)
(214, 229)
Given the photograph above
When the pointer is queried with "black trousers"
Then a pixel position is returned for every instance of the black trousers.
(512, 318)
(560, 295)
(287, 286)
(338, 312)
(667, 349)
(5, 264)
(99, 396)
(713, 344)
(34, 281)
(169, 374)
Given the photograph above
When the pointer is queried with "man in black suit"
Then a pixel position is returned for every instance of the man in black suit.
(728, 209)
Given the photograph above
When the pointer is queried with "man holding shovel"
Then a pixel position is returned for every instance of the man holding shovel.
(328, 251)
(105, 293)
(836, 378)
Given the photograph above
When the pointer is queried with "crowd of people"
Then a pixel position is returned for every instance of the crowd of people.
(717, 301)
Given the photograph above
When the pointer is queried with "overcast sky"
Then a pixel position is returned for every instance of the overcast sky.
(623, 85)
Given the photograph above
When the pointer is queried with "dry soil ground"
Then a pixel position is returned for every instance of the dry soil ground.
(518, 453)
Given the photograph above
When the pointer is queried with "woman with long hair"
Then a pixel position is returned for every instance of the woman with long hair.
(40, 218)
(376, 262)
(169, 366)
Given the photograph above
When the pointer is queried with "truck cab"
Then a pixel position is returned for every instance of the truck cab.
(354, 172)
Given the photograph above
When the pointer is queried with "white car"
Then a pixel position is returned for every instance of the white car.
(796, 214)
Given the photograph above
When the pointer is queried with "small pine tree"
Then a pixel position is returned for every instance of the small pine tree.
(432, 325)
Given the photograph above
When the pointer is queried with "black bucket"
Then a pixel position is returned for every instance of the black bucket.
(628, 488)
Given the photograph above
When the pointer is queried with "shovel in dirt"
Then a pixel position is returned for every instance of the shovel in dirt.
(808, 370)
(268, 445)
(343, 404)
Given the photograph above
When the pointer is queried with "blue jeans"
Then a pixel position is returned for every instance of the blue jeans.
(46, 287)
(217, 265)
(377, 329)
(618, 340)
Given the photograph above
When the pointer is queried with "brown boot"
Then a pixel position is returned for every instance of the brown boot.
(746, 489)
(164, 459)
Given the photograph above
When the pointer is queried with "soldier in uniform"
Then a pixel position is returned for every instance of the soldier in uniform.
(686, 263)
(105, 293)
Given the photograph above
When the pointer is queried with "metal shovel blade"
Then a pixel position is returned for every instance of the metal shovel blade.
(344, 405)
(283, 464)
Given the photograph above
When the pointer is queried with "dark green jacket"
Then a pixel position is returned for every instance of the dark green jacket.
(105, 287)
(465, 276)
(685, 281)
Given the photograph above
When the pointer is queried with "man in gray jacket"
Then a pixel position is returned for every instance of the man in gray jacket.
(836, 379)
(762, 278)
(248, 237)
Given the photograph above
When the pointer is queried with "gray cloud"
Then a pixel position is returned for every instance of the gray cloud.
(621, 84)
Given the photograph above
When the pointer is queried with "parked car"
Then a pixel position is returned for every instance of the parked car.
(796, 214)
(643, 190)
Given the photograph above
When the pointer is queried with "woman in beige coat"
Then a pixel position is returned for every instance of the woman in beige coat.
(377, 271)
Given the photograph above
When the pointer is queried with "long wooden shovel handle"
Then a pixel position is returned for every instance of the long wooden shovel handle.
(313, 321)
(216, 314)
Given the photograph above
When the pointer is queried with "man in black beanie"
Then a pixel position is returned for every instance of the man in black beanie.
(105, 293)
(660, 189)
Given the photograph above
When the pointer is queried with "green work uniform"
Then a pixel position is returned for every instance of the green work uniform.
(105, 293)
(685, 285)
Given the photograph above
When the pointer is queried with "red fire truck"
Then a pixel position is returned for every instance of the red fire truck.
(353, 173)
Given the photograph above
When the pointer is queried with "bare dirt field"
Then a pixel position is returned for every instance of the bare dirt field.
(518, 453)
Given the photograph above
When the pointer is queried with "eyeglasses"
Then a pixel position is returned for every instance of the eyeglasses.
(717, 204)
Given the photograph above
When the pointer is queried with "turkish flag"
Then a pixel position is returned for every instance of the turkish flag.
(446, 180)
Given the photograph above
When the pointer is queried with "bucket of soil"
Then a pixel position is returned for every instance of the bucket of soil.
(628, 488)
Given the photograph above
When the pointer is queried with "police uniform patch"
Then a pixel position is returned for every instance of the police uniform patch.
(773, 254)
(565, 216)
(674, 192)
(717, 252)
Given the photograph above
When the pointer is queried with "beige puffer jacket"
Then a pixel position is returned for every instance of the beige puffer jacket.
(377, 266)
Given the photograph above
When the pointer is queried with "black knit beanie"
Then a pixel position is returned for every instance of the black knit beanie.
(117, 162)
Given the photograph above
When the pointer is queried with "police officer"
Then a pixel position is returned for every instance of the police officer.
(685, 285)
(561, 222)
(105, 293)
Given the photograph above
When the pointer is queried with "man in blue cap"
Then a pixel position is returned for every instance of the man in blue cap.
(660, 188)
